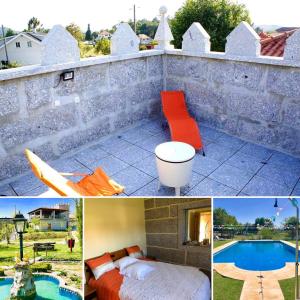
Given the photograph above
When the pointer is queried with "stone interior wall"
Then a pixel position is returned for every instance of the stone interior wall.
(164, 234)
(102, 98)
(257, 102)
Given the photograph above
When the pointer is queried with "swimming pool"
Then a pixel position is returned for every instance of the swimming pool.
(257, 255)
(47, 287)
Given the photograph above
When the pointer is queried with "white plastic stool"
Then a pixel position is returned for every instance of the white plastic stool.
(174, 161)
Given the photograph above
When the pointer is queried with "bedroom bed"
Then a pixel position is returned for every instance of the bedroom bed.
(165, 282)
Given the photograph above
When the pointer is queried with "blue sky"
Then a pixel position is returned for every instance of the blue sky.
(104, 14)
(8, 205)
(248, 209)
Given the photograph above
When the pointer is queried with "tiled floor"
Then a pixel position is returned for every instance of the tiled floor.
(231, 166)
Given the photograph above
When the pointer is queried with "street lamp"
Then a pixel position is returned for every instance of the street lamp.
(20, 225)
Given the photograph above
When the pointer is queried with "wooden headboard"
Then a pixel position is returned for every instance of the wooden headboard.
(114, 256)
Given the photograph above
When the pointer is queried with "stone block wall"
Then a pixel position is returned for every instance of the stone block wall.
(164, 230)
(255, 101)
(51, 116)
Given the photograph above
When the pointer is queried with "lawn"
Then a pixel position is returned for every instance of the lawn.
(61, 252)
(226, 288)
(288, 288)
(220, 243)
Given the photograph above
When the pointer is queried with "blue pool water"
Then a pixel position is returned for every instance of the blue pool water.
(257, 255)
(47, 288)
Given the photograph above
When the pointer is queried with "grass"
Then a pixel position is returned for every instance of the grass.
(220, 243)
(61, 252)
(226, 288)
(288, 288)
(61, 259)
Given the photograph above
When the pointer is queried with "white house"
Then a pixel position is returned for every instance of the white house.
(56, 218)
(104, 34)
(23, 48)
(145, 39)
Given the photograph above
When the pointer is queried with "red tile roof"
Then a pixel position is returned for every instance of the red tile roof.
(274, 45)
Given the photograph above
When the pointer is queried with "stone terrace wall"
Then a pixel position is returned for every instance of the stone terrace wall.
(258, 102)
(163, 232)
(103, 97)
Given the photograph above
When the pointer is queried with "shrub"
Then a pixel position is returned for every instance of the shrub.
(103, 46)
(267, 233)
(143, 47)
(75, 278)
(34, 236)
(41, 267)
(2, 272)
(62, 273)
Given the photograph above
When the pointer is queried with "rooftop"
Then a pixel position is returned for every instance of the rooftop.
(231, 166)
(48, 209)
(274, 45)
(107, 112)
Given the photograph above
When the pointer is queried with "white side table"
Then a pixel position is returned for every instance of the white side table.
(174, 161)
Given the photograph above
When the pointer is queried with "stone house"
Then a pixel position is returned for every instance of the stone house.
(56, 218)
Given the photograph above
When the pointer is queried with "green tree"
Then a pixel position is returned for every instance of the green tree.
(78, 206)
(221, 217)
(291, 224)
(145, 26)
(34, 23)
(266, 222)
(218, 17)
(9, 32)
(291, 221)
(103, 46)
(75, 31)
(6, 232)
(88, 34)
(94, 35)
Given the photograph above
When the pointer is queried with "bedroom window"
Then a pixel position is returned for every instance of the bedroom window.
(18, 45)
(198, 226)
(29, 44)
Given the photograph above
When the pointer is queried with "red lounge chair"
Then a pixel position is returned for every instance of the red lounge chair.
(96, 184)
(182, 126)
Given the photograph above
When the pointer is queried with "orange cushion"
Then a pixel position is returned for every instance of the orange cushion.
(133, 249)
(96, 262)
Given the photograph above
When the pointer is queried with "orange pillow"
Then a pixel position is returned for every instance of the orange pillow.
(101, 265)
(134, 251)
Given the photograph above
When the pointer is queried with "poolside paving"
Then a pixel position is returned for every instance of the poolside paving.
(231, 166)
(257, 285)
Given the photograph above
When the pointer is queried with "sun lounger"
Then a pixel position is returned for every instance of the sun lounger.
(96, 184)
(182, 126)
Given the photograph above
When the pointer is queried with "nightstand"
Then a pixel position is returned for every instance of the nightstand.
(89, 293)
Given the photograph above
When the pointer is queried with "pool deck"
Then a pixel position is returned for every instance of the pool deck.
(258, 285)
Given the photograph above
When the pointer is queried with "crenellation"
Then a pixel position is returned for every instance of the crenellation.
(239, 92)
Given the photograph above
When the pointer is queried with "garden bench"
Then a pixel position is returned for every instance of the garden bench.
(43, 246)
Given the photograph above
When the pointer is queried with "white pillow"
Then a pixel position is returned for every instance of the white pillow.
(138, 254)
(138, 271)
(124, 262)
(100, 270)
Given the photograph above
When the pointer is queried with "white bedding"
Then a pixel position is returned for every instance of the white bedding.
(167, 282)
